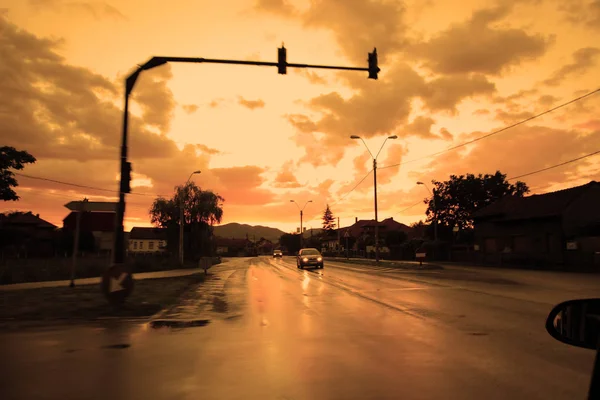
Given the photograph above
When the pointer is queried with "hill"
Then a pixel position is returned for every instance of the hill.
(239, 231)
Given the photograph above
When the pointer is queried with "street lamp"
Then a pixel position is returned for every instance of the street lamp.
(301, 213)
(375, 188)
(435, 223)
(181, 217)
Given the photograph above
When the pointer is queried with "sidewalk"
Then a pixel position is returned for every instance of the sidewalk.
(391, 263)
(96, 281)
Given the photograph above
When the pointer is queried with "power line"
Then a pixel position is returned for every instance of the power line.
(80, 186)
(555, 166)
(495, 132)
(409, 207)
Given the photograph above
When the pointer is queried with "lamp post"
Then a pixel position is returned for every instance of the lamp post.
(301, 213)
(435, 224)
(181, 217)
(375, 188)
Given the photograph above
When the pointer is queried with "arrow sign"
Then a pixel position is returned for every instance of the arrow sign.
(116, 285)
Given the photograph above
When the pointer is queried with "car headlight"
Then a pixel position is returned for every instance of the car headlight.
(305, 259)
(320, 259)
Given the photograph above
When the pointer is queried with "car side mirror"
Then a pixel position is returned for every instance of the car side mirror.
(576, 322)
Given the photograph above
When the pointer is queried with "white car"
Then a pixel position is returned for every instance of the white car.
(277, 253)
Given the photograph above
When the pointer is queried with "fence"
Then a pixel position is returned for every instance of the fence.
(88, 266)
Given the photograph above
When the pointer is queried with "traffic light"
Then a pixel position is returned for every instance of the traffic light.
(282, 60)
(373, 68)
(126, 178)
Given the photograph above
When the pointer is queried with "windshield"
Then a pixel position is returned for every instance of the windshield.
(310, 252)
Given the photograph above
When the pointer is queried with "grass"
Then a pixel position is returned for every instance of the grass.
(88, 303)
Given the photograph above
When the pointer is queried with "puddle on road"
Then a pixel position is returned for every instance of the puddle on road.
(117, 346)
(157, 324)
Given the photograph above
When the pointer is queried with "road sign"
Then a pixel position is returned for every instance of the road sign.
(105, 206)
(117, 284)
(347, 234)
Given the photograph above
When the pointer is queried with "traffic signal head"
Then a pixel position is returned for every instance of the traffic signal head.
(373, 67)
(126, 178)
(282, 60)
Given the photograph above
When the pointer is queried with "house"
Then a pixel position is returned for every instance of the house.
(557, 228)
(233, 247)
(366, 228)
(100, 224)
(147, 240)
(28, 234)
(264, 246)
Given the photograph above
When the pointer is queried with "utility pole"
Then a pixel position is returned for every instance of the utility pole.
(118, 256)
(301, 215)
(375, 188)
(435, 223)
(182, 216)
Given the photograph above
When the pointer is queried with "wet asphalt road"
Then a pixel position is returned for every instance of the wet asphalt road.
(344, 332)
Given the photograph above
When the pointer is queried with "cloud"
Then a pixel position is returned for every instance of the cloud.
(544, 147)
(251, 104)
(97, 9)
(286, 178)
(80, 143)
(583, 60)
(369, 23)
(155, 98)
(216, 102)
(312, 77)
(477, 46)
(395, 154)
(582, 13)
(190, 108)
(481, 111)
(547, 101)
(278, 7)
(240, 185)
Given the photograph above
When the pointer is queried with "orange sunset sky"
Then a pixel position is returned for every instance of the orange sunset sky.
(451, 72)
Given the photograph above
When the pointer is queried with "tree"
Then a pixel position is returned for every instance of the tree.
(458, 198)
(10, 158)
(328, 220)
(202, 209)
(290, 241)
(395, 238)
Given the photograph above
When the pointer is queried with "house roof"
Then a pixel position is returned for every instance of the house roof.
(536, 206)
(28, 219)
(91, 221)
(148, 233)
(389, 224)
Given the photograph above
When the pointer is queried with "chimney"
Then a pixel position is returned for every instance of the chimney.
(391, 218)
(355, 219)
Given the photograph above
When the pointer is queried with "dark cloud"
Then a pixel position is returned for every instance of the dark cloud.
(251, 104)
(547, 101)
(208, 150)
(369, 23)
(583, 60)
(582, 13)
(478, 45)
(155, 98)
(190, 108)
(421, 127)
(286, 178)
(97, 9)
(512, 117)
(445, 93)
(278, 7)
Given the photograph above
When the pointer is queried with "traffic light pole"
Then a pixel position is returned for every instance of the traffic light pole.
(124, 186)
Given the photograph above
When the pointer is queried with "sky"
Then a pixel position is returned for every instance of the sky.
(449, 75)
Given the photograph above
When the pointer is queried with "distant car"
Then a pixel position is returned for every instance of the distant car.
(309, 258)
(277, 253)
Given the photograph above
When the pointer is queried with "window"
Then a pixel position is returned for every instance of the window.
(141, 245)
(151, 245)
(135, 245)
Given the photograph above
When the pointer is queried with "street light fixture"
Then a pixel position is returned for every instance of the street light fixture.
(435, 223)
(375, 187)
(301, 213)
(181, 217)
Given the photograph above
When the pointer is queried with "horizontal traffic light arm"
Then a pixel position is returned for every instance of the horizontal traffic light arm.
(156, 61)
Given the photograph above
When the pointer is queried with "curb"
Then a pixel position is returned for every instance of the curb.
(406, 265)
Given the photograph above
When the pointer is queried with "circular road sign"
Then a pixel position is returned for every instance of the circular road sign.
(117, 284)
